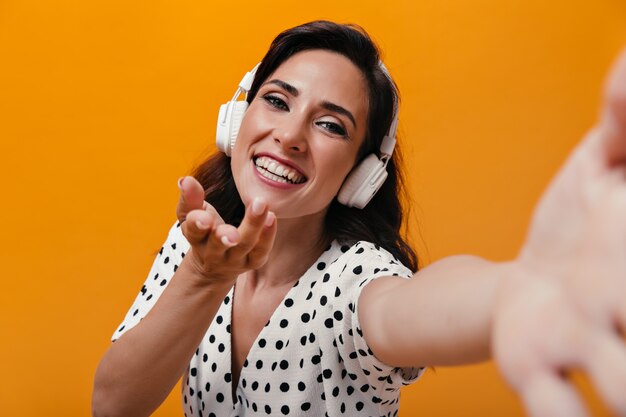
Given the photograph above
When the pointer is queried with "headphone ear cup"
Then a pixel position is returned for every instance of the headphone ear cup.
(363, 182)
(228, 124)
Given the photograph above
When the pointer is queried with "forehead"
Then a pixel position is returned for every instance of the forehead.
(326, 76)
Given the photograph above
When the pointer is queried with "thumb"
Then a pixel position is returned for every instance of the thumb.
(613, 124)
(191, 197)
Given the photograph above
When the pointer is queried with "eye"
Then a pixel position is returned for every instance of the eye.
(333, 128)
(275, 102)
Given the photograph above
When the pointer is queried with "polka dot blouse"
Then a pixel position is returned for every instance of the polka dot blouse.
(310, 359)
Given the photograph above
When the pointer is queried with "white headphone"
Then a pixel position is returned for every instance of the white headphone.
(364, 180)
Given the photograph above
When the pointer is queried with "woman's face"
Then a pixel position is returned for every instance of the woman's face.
(300, 136)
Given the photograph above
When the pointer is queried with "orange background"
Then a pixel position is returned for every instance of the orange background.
(104, 104)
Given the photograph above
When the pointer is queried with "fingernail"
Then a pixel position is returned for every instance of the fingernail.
(202, 226)
(180, 183)
(226, 242)
(269, 220)
(258, 206)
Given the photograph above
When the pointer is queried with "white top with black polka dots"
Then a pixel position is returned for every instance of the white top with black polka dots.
(310, 359)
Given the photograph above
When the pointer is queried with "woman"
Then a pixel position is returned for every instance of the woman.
(275, 299)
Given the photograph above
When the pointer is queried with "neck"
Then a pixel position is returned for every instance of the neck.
(298, 243)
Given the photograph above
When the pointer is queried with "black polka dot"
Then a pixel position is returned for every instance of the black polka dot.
(219, 397)
(259, 364)
(268, 409)
(338, 315)
(284, 387)
(305, 406)
(284, 365)
(284, 409)
(305, 317)
(301, 386)
(321, 266)
(359, 406)
(194, 372)
(288, 302)
(262, 343)
(284, 323)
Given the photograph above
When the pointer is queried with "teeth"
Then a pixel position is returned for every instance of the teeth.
(275, 171)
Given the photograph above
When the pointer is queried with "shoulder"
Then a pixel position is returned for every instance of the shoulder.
(348, 268)
(367, 259)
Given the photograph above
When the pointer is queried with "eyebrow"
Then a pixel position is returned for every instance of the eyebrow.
(286, 86)
(338, 109)
(326, 104)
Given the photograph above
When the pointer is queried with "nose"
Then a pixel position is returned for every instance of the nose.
(291, 134)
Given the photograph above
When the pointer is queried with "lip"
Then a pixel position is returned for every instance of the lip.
(276, 184)
(282, 161)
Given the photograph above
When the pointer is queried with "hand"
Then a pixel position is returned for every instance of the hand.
(566, 307)
(219, 251)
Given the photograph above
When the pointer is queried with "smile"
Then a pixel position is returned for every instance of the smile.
(275, 171)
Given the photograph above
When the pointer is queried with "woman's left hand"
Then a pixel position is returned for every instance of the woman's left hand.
(565, 309)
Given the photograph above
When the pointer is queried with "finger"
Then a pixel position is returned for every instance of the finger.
(198, 226)
(191, 197)
(549, 395)
(613, 125)
(226, 236)
(250, 228)
(606, 366)
(258, 255)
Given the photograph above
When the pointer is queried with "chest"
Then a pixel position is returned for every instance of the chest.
(250, 313)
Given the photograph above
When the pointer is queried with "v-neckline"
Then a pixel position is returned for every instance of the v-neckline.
(254, 345)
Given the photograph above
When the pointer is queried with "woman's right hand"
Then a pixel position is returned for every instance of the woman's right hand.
(219, 251)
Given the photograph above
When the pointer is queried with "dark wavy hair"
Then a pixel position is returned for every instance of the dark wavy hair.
(381, 221)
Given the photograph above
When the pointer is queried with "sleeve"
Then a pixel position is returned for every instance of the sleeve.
(165, 265)
(368, 263)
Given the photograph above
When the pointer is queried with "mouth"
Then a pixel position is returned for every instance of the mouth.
(277, 171)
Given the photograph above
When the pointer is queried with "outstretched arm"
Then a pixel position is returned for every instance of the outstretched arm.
(559, 306)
